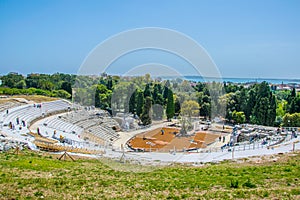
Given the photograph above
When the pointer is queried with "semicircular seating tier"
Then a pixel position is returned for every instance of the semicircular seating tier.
(95, 122)
(30, 112)
(9, 104)
(61, 125)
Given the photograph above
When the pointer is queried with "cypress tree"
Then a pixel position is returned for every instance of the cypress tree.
(145, 117)
(293, 93)
(67, 87)
(140, 103)
(147, 92)
(177, 107)
(170, 110)
(155, 93)
(97, 98)
(272, 111)
(132, 103)
(166, 89)
(109, 83)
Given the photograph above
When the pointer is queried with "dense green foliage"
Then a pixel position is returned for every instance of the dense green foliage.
(190, 108)
(102, 96)
(291, 120)
(32, 176)
(258, 104)
(35, 91)
(55, 85)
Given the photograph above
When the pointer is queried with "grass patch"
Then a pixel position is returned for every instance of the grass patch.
(32, 176)
(35, 98)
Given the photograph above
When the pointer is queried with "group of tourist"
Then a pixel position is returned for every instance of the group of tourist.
(220, 138)
(19, 123)
(37, 105)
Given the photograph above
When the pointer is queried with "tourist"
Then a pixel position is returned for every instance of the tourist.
(162, 131)
(61, 138)
(223, 139)
(17, 120)
(278, 131)
(293, 135)
(54, 134)
(7, 112)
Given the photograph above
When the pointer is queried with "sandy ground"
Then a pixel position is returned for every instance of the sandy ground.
(125, 136)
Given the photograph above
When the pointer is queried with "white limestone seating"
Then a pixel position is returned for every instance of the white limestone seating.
(63, 126)
(87, 123)
(103, 133)
(30, 112)
(8, 105)
(93, 124)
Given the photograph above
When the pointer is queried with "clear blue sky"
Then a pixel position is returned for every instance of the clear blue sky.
(252, 38)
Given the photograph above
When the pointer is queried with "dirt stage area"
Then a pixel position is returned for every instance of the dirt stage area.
(165, 139)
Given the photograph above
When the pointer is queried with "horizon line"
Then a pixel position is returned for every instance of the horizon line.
(161, 76)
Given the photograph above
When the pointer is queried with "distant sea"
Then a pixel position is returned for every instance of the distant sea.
(242, 80)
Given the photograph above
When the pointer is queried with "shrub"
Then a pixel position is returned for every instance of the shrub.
(234, 183)
(38, 194)
(249, 184)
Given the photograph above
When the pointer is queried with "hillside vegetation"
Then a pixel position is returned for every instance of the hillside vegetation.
(258, 103)
(35, 176)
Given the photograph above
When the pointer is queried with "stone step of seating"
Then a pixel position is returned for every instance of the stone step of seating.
(30, 112)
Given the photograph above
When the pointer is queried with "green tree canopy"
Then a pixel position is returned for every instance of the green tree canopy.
(190, 108)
